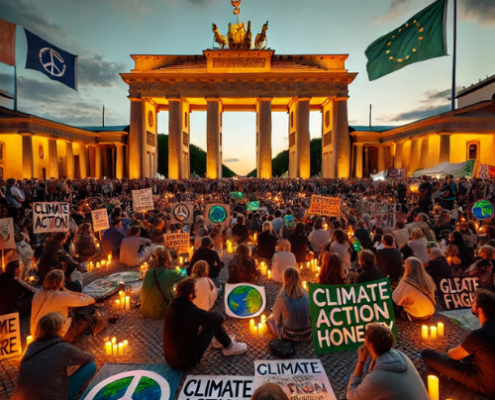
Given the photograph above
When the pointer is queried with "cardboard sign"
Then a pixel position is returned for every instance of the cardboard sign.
(253, 206)
(244, 300)
(50, 217)
(458, 292)
(300, 379)
(322, 205)
(217, 214)
(339, 313)
(181, 213)
(7, 233)
(142, 200)
(201, 387)
(10, 336)
(177, 241)
(100, 220)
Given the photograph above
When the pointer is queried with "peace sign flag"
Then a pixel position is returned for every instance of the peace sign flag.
(52, 61)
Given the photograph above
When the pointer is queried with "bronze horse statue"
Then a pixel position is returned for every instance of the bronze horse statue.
(219, 38)
(260, 41)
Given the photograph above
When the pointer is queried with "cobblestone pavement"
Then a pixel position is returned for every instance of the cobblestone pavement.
(145, 344)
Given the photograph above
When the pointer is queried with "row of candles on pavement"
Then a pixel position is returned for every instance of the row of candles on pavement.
(259, 329)
(101, 263)
(112, 348)
(432, 332)
(124, 303)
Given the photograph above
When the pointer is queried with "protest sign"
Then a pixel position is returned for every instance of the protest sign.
(458, 292)
(177, 241)
(100, 220)
(339, 313)
(10, 335)
(142, 200)
(181, 213)
(300, 379)
(244, 300)
(322, 205)
(201, 387)
(253, 206)
(7, 233)
(50, 217)
(217, 214)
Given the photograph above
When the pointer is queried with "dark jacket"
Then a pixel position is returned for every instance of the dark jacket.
(266, 244)
(389, 261)
(111, 241)
(11, 290)
(211, 257)
(298, 246)
(180, 332)
(240, 233)
(363, 235)
(245, 274)
(369, 274)
(439, 269)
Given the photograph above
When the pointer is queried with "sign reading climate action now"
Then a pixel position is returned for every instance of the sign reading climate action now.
(339, 313)
(322, 205)
(50, 217)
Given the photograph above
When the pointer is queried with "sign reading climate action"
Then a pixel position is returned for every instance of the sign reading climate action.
(202, 387)
(321, 205)
(10, 336)
(50, 217)
(458, 292)
(177, 241)
(339, 313)
(142, 200)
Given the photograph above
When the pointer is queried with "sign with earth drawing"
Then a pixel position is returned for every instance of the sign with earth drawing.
(483, 209)
(181, 213)
(217, 214)
(244, 300)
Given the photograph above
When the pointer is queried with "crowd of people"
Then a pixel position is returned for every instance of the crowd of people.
(432, 235)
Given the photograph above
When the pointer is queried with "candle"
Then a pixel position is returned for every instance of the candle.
(252, 327)
(433, 389)
(126, 346)
(181, 260)
(441, 329)
(121, 294)
(307, 265)
(127, 303)
(424, 332)
(255, 330)
(29, 340)
(114, 340)
(255, 236)
(263, 318)
(117, 304)
(109, 258)
(97, 265)
(433, 333)
(115, 350)
(260, 329)
(269, 274)
(121, 349)
(103, 263)
(108, 348)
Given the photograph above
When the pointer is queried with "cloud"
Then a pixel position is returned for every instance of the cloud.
(396, 9)
(481, 10)
(231, 160)
(97, 71)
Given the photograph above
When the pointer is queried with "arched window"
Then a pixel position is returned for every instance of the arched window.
(473, 150)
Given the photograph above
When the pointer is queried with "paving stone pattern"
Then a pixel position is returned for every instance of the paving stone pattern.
(145, 344)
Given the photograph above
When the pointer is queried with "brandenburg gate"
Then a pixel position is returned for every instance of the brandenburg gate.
(241, 78)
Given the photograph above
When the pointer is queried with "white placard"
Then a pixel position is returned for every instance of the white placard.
(217, 214)
(244, 300)
(7, 233)
(323, 205)
(217, 387)
(181, 213)
(142, 200)
(177, 241)
(50, 217)
(10, 336)
(100, 220)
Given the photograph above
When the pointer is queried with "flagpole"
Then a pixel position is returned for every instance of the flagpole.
(454, 56)
(15, 88)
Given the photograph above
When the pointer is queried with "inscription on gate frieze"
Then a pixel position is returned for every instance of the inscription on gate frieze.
(239, 62)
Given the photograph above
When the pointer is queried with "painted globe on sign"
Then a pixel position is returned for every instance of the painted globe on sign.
(245, 301)
(217, 214)
(116, 390)
(483, 209)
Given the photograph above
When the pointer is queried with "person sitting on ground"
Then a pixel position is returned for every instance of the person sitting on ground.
(438, 267)
(269, 391)
(24, 249)
(240, 232)
(401, 234)
(206, 291)
(318, 236)
(242, 267)
(363, 234)
(206, 253)
(112, 238)
(484, 267)
(369, 272)
(472, 363)
(391, 376)
(73, 278)
(415, 292)
(15, 295)
(299, 242)
(156, 243)
(50, 258)
(217, 238)
(290, 319)
(340, 245)
(458, 251)
(188, 330)
(389, 259)
(418, 245)
(282, 260)
(277, 222)
(43, 370)
(333, 271)
(84, 242)
(267, 242)
(132, 248)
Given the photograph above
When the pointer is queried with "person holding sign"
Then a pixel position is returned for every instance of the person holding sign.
(472, 363)
(392, 375)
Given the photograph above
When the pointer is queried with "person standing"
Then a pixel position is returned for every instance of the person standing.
(13, 198)
(450, 193)
(425, 195)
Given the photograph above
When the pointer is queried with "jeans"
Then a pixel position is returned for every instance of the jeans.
(79, 378)
(206, 335)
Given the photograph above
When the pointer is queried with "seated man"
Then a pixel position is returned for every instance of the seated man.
(132, 248)
(112, 238)
(183, 347)
(472, 363)
(392, 374)
(389, 259)
(206, 253)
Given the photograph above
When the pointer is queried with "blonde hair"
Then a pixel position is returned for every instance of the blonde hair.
(292, 283)
(269, 391)
(417, 233)
(161, 256)
(282, 245)
(415, 270)
(267, 227)
(49, 325)
(488, 250)
(200, 269)
(54, 280)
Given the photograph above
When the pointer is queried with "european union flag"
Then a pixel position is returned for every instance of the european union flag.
(54, 62)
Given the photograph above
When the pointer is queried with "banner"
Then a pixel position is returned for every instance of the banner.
(458, 292)
(50, 217)
(181, 213)
(142, 200)
(10, 335)
(300, 379)
(177, 241)
(244, 300)
(7, 42)
(223, 387)
(321, 205)
(339, 313)
(100, 220)
(7, 233)
(217, 214)
(486, 171)
(396, 172)
(253, 206)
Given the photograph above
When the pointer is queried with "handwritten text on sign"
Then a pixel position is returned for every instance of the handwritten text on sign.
(100, 220)
(177, 241)
(458, 292)
(210, 387)
(142, 200)
(7, 233)
(50, 217)
(321, 205)
(10, 336)
(339, 313)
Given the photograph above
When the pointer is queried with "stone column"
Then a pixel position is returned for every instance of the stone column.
(399, 155)
(135, 147)
(119, 164)
(358, 149)
(444, 148)
(69, 161)
(174, 138)
(52, 158)
(92, 160)
(425, 152)
(98, 162)
(303, 153)
(414, 164)
(342, 138)
(83, 161)
(27, 155)
(213, 118)
(381, 159)
(264, 142)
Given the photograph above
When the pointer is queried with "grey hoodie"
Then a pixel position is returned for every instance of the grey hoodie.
(391, 376)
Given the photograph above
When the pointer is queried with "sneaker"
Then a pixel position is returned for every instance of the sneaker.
(217, 345)
(235, 349)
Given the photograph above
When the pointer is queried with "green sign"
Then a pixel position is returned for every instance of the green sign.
(340, 313)
(253, 206)
(236, 195)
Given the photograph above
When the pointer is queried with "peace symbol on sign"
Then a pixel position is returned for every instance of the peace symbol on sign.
(52, 62)
(181, 212)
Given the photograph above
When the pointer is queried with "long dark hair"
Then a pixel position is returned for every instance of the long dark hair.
(331, 272)
(243, 255)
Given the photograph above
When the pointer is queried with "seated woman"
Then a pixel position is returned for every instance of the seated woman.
(15, 295)
(438, 267)
(332, 271)
(341, 246)
(415, 292)
(73, 278)
(418, 245)
(43, 370)
(369, 271)
(206, 291)
(484, 267)
(267, 242)
(54, 298)
(84, 242)
(217, 237)
(318, 236)
(299, 242)
(290, 318)
(459, 252)
(240, 232)
(157, 285)
(282, 260)
(242, 268)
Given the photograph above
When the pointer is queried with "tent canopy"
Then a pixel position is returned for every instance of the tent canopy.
(457, 170)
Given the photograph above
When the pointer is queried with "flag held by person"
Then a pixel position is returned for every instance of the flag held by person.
(57, 64)
(422, 37)
(7, 42)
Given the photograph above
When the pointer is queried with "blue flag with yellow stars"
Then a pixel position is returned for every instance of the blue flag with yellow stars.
(420, 38)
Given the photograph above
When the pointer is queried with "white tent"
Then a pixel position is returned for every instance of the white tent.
(446, 168)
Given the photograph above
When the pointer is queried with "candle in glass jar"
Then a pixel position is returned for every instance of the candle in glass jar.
(181, 260)
(108, 348)
(433, 333)
(441, 329)
(424, 332)
(433, 389)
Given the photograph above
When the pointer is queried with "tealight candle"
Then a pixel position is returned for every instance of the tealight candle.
(108, 348)
(29, 340)
(127, 303)
(433, 333)
(433, 389)
(441, 329)
(424, 332)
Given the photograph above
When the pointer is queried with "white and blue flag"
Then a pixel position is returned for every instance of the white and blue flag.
(54, 62)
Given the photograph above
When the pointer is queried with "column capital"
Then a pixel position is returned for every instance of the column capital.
(265, 99)
(118, 144)
(214, 99)
(304, 99)
(343, 98)
(173, 98)
(53, 137)
(136, 99)
(26, 133)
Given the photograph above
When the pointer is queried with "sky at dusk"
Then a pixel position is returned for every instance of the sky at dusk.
(105, 32)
